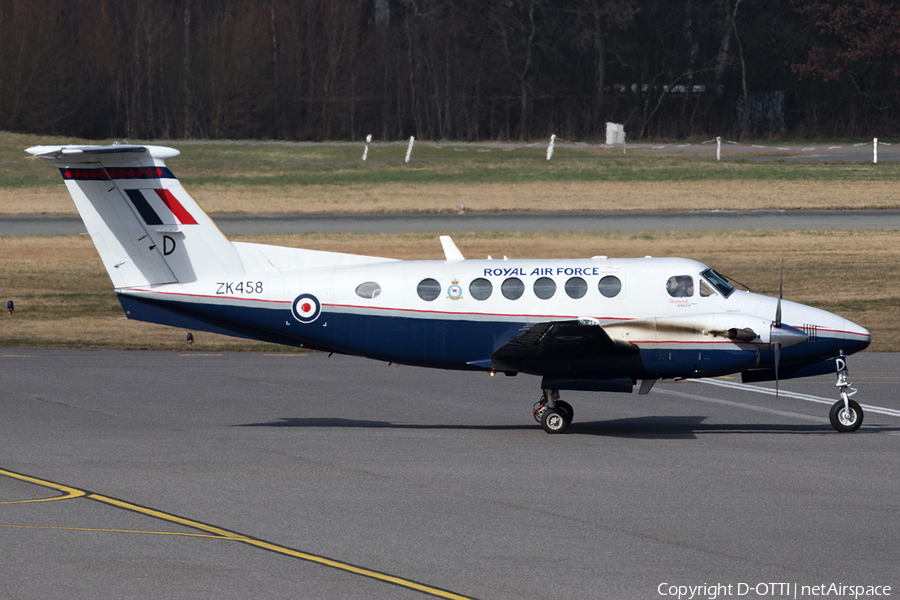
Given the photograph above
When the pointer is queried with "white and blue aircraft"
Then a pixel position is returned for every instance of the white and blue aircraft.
(592, 324)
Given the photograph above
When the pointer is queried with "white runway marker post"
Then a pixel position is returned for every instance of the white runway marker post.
(615, 134)
(875, 151)
(366, 151)
(412, 140)
(550, 147)
(718, 147)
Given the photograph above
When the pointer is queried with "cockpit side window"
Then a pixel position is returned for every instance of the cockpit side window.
(718, 282)
(680, 286)
(705, 290)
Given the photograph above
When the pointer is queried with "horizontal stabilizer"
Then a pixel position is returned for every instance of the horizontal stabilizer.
(59, 152)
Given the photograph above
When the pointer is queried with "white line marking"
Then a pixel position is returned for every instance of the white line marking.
(760, 390)
(781, 413)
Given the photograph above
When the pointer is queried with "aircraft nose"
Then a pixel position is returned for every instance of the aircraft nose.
(858, 337)
(830, 331)
(846, 334)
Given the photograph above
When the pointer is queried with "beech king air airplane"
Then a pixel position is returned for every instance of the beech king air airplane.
(594, 324)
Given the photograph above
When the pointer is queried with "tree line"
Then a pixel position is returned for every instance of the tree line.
(449, 69)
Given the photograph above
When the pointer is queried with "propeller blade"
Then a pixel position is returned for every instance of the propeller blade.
(782, 335)
(780, 293)
(777, 348)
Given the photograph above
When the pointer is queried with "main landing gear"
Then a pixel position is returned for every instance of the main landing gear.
(846, 414)
(553, 414)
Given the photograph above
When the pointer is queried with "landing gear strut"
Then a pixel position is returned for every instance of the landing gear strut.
(846, 414)
(553, 414)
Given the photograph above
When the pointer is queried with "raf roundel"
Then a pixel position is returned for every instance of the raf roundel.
(306, 308)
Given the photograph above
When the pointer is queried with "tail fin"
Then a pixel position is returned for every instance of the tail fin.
(146, 227)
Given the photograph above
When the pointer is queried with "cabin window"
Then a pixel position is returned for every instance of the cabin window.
(680, 286)
(544, 288)
(719, 282)
(428, 289)
(705, 290)
(576, 288)
(481, 289)
(512, 288)
(369, 289)
(610, 286)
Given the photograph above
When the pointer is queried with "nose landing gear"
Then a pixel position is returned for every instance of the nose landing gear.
(553, 414)
(846, 414)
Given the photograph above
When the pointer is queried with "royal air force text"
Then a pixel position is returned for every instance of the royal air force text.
(544, 271)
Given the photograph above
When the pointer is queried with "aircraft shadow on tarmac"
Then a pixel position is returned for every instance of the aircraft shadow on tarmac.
(637, 427)
(361, 424)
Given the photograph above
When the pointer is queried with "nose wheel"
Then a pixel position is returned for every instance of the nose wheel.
(846, 418)
(553, 414)
(846, 415)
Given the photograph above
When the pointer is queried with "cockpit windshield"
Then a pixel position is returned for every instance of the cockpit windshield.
(718, 282)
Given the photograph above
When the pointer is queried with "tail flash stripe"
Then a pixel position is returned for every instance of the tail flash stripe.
(143, 207)
(183, 216)
(118, 173)
(85, 174)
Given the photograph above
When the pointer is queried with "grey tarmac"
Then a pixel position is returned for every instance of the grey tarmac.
(623, 222)
(201, 475)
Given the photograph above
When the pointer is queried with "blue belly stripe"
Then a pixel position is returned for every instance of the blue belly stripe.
(450, 343)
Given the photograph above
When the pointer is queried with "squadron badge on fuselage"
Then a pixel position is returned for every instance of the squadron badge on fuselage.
(454, 292)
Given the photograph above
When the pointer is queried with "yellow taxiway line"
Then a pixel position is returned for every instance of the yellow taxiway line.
(215, 533)
(68, 492)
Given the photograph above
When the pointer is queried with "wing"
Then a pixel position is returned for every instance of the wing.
(563, 347)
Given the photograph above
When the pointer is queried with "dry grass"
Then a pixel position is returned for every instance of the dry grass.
(63, 296)
(115, 332)
(541, 196)
(492, 197)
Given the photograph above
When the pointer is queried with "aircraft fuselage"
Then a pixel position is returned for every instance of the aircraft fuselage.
(456, 314)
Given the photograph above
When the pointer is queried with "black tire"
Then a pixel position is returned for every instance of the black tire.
(844, 421)
(565, 407)
(554, 421)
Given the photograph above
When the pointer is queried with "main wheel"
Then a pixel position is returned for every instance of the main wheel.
(554, 421)
(565, 407)
(846, 420)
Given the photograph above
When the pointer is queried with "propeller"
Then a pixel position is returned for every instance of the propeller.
(777, 324)
(782, 335)
(778, 307)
